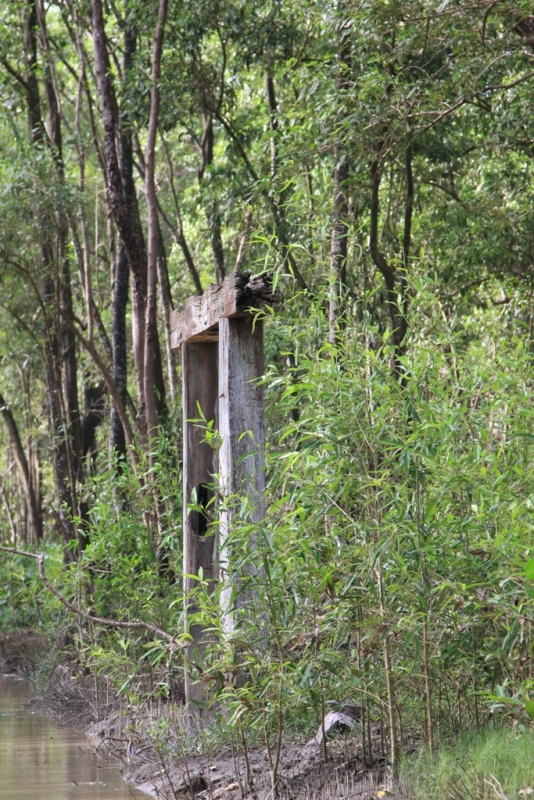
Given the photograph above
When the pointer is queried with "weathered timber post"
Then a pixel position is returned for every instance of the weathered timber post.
(222, 358)
(241, 426)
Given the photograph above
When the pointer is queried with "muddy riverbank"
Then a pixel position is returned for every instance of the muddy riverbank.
(81, 724)
(157, 768)
(165, 761)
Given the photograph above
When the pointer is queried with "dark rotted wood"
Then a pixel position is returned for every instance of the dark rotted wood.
(200, 388)
(236, 296)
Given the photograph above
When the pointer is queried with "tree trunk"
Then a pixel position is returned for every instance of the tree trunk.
(340, 214)
(151, 333)
(61, 455)
(117, 438)
(60, 354)
(396, 296)
(166, 303)
(61, 313)
(278, 205)
(217, 244)
(33, 507)
(390, 687)
(122, 200)
(214, 216)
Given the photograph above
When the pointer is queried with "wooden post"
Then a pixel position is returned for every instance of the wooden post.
(222, 358)
(199, 389)
(241, 426)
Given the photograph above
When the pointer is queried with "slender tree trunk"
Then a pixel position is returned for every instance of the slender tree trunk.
(166, 303)
(59, 261)
(278, 204)
(428, 688)
(60, 354)
(33, 100)
(217, 243)
(122, 200)
(214, 216)
(273, 121)
(153, 228)
(32, 505)
(396, 290)
(177, 229)
(117, 439)
(70, 367)
(340, 214)
(61, 457)
(240, 258)
(120, 294)
(394, 749)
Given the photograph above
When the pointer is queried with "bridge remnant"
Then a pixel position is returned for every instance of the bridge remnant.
(221, 337)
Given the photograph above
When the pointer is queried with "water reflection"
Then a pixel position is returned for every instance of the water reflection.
(39, 761)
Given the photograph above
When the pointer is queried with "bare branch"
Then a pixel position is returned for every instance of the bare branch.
(109, 623)
(14, 73)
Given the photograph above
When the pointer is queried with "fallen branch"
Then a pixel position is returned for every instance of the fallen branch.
(110, 623)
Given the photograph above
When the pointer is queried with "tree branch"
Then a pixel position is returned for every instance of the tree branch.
(109, 623)
(15, 74)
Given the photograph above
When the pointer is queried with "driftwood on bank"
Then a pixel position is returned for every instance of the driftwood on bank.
(336, 722)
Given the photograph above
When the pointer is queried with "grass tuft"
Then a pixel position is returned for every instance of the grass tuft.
(482, 765)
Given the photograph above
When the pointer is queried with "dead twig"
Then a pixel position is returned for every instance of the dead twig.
(110, 623)
(497, 787)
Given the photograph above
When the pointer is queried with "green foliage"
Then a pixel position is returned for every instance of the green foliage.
(472, 767)
(24, 601)
(394, 566)
(394, 514)
(119, 574)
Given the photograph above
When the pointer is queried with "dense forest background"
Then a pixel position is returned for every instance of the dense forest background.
(378, 158)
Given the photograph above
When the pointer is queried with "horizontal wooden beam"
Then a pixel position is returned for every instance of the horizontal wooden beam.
(237, 296)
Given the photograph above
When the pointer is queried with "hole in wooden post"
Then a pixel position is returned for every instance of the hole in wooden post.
(199, 519)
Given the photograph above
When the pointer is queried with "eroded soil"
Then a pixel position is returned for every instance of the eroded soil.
(158, 756)
(302, 773)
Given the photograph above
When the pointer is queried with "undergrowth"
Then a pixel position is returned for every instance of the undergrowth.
(481, 765)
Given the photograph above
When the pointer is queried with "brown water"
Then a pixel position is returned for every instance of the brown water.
(39, 761)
